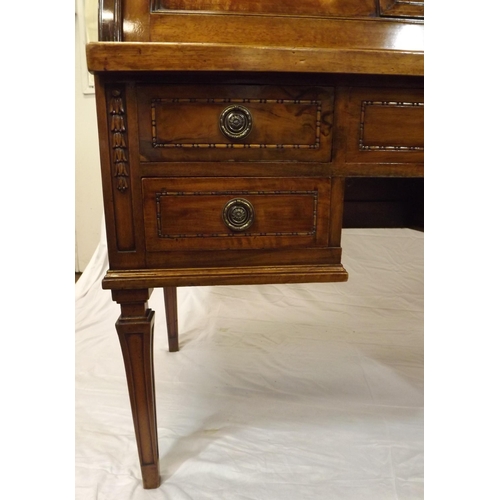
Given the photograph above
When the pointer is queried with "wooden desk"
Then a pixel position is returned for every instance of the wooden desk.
(225, 140)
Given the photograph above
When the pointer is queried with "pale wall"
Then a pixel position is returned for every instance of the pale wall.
(88, 193)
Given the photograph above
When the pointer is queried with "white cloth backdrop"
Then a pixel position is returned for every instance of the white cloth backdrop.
(295, 392)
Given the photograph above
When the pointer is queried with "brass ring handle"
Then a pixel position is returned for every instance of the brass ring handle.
(235, 122)
(238, 214)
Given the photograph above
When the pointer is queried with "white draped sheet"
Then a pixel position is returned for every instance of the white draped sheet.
(294, 392)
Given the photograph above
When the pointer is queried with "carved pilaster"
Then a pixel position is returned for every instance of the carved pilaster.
(120, 175)
(119, 140)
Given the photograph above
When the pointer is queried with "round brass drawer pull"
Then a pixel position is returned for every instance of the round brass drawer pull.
(235, 122)
(238, 214)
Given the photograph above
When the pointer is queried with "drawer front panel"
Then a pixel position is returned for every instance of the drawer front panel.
(385, 126)
(184, 123)
(231, 214)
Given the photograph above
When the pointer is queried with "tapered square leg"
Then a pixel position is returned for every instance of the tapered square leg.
(170, 297)
(135, 330)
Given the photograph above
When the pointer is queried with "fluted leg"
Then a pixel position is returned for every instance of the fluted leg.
(170, 297)
(135, 331)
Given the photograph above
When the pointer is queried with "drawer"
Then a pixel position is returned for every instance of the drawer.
(235, 213)
(384, 125)
(235, 123)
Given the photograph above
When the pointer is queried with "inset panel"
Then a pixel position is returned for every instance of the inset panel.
(381, 127)
(402, 8)
(290, 7)
(391, 126)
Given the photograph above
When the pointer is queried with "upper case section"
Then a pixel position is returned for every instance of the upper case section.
(382, 37)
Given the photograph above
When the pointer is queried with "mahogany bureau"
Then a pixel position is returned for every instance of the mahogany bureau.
(226, 132)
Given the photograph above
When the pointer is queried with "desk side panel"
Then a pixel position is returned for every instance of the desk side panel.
(117, 125)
